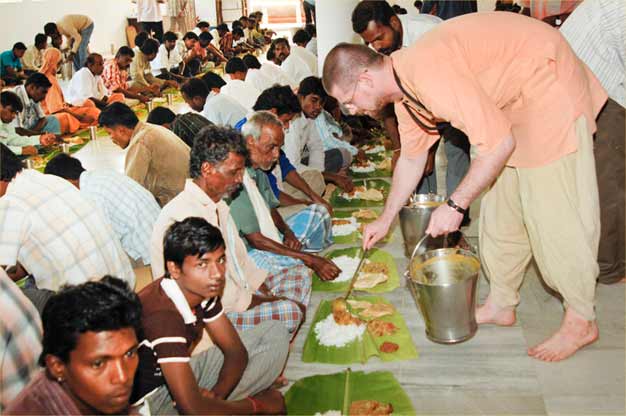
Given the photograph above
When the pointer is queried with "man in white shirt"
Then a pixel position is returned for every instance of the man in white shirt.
(167, 63)
(87, 84)
(150, 17)
(255, 76)
(203, 96)
(312, 45)
(274, 72)
(237, 87)
(33, 57)
(293, 65)
(301, 39)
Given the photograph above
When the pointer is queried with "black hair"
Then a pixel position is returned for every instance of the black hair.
(19, 46)
(280, 40)
(203, 24)
(190, 35)
(140, 38)
(105, 305)
(270, 55)
(399, 9)
(279, 97)
(301, 36)
(118, 114)
(10, 164)
(235, 65)
(222, 27)
(205, 38)
(418, 4)
(212, 80)
(212, 144)
(161, 116)
(311, 85)
(251, 62)
(371, 10)
(238, 32)
(170, 37)
(40, 38)
(236, 24)
(311, 30)
(125, 51)
(195, 87)
(64, 166)
(193, 236)
(150, 47)
(186, 126)
(39, 80)
(9, 98)
(50, 28)
(243, 18)
(91, 58)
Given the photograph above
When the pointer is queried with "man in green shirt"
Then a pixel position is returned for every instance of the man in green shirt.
(10, 105)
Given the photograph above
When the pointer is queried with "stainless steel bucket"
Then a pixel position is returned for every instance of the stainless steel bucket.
(414, 219)
(443, 284)
(67, 70)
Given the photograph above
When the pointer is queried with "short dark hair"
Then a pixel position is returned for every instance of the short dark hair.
(399, 9)
(238, 32)
(186, 126)
(301, 36)
(212, 80)
(10, 164)
(279, 97)
(193, 236)
(161, 116)
(236, 24)
(50, 28)
(270, 55)
(40, 38)
(212, 145)
(190, 35)
(371, 10)
(222, 27)
(11, 99)
(19, 46)
(243, 18)
(118, 114)
(251, 62)
(149, 47)
(311, 85)
(140, 38)
(235, 65)
(170, 36)
(105, 305)
(91, 58)
(195, 87)
(280, 40)
(203, 24)
(205, 37)
(39, 80)
(125, 51)
(64, 166)
(311, 30)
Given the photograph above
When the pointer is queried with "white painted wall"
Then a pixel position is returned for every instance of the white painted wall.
(205, 9)
(333, 26)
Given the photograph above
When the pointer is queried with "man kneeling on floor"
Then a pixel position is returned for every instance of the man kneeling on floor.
(176, 309)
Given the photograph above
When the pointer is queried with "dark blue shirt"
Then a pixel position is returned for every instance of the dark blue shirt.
(449, 8)
(285, 167)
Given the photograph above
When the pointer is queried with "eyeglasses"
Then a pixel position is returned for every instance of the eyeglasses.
(347, 107)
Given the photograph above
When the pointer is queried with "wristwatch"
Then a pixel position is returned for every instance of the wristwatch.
(455, 207)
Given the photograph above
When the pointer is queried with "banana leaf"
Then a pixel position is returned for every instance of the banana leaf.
(356, 235)
(374, 254)
(339, 202)
(376, 173)
(321, 393)
(359, 351)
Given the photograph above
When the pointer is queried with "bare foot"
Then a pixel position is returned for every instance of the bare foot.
(280, 382)
(575, 332)
(490, 313)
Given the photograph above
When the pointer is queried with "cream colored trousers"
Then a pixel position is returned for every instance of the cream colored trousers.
(552, 213)
(314, 179)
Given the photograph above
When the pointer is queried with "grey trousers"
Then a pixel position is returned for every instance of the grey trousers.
(457, 152)
(267, 344)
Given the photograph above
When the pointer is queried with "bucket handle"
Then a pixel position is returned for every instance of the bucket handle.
(419, 243)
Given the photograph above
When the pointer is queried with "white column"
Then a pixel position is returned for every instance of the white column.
(334, 25)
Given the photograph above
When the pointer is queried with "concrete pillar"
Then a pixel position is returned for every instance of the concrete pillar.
(334, 25)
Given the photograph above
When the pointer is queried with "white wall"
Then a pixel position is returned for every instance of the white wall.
(21, 20)
(205, 9)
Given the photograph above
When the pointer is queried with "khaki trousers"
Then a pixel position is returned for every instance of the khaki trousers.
(550, 213)
(314, 179)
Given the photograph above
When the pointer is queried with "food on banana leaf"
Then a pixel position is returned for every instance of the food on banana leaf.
(370, 407)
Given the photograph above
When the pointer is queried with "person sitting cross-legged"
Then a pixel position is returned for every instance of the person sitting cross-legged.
(91, 334)
(32, 120)
(87, 85)
(273, 243)
(141, 72)
(115, 77)
(11, 70)
(233, 378)
(168, 62)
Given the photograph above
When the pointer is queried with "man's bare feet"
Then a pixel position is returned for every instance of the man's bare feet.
(490, 313)
(575, 332)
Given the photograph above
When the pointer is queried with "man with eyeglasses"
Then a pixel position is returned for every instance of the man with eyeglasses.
(528, 104)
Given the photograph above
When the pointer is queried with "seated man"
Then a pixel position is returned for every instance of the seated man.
(115, 77)
(301, 38)
(239, 40)
(33, 57)
(10, 106)
(11, 71)
(191, 61)
(168, 61)
(299, 50)
(129, 208)
(77, 29)
(20, 340)
(226, 40)
(272, 243)
(295, 67)
(33, 120)
(236, 87)
(311, 46)
(251, 294)
(185, 126)
(89, 357)
(203, 96)
(141, 73)
(155, 158)
(56, 234)
(87, 84)
(256, 77)
(300, 135)
(177, 307)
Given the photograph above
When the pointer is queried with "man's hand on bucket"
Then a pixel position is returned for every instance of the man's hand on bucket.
(444, 220)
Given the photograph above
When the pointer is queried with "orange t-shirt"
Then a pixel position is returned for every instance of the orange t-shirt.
(497, 74)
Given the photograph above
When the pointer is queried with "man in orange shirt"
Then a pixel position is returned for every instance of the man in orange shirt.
(515, 87)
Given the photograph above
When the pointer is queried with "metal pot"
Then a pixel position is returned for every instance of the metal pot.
(414, 219)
